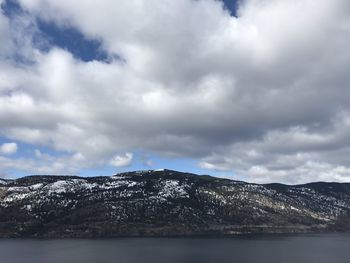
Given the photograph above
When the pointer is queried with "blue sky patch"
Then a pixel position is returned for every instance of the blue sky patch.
(11, 8)
(74, 41)
(69, 38)
(232, 6)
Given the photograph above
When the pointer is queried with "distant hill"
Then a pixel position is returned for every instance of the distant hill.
(166, 203)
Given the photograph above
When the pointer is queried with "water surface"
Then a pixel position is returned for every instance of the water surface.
(325, 248)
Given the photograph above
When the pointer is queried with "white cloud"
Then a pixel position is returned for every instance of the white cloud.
(211, 166)
(43, 164)
(38, 153)
(263, 95)
(121, 160)
(8, 148)
(78, 157)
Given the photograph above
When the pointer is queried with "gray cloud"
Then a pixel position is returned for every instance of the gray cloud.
(265, 95)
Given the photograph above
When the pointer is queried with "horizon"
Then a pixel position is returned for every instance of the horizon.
(249, 90)
(170, 170)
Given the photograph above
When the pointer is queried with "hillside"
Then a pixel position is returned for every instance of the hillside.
(166, 203)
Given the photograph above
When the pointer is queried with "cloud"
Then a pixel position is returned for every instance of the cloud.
(42, 164)
(8, 148)
(121, 160)
(38, 153)
(264, 95)
(5, 34)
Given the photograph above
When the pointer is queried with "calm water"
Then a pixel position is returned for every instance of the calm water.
(328, 248)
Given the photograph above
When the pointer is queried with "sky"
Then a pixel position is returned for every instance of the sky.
(253, 90)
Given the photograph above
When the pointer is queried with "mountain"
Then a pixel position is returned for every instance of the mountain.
(166, 203)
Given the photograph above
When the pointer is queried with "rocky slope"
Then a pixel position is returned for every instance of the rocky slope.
(166, 203)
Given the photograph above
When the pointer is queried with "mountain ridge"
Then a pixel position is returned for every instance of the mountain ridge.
(166, 203)
(136, 172)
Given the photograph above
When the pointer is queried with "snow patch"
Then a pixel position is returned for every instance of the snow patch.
(173, 189)
(35, 187)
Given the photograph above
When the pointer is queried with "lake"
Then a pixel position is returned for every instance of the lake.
(323, 248)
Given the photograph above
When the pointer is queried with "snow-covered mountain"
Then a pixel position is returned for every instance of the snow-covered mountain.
(166, 203)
